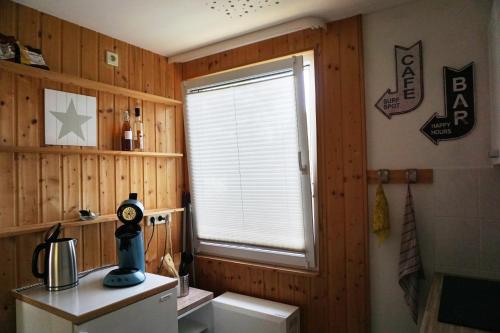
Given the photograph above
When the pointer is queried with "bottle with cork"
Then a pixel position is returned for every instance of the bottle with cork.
(127, 143)
(138, 130)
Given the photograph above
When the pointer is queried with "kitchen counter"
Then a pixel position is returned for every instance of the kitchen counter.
(90, 299)
(430, 321)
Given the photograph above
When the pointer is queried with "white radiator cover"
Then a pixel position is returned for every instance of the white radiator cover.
(244, 314)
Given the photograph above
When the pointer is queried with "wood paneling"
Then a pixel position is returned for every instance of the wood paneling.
(148, 71)
(121, 72)
(71, 57)
(7, 198)
(90, 54)
(51, 191)
(135, 67)
(7, 109)
(337, 299)
(44, 185)
(28, 31)
(8, 282)
(51, 41)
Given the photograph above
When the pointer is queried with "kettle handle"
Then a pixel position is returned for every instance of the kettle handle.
(34, 261)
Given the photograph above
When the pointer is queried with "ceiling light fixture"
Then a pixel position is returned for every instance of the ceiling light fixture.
(240, 8)
(250, 38)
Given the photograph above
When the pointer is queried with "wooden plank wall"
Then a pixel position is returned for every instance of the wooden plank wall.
(336, 300)
(40, 188)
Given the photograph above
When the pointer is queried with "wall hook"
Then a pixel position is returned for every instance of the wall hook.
(383, 176)
(411, 176)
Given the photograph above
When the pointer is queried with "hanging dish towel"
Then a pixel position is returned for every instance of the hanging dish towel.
(381, 225)
(410, 264)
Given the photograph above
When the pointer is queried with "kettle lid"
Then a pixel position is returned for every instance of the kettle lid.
(52, 234)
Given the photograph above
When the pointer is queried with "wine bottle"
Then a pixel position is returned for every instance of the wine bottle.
(126, 133)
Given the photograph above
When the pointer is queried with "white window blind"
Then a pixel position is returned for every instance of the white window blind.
(247, 139)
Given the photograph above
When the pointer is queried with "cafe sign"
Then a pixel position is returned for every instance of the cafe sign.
(409, 91)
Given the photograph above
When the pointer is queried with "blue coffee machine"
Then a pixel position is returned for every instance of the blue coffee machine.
(130, 246)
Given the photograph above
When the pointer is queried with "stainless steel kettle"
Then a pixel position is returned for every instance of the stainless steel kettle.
(60, 269)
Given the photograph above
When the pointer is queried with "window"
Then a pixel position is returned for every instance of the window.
(251, 147)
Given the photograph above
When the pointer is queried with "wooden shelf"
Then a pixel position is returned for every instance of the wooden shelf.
(191, 326)
(83, 83)
(72, 151)
(76, 222)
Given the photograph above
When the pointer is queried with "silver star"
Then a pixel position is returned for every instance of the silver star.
(71, 121)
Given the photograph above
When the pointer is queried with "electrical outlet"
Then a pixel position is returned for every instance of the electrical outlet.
(112, 58)
(158, 218)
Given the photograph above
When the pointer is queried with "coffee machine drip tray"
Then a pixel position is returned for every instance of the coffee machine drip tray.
(124, 277)
(123, 271)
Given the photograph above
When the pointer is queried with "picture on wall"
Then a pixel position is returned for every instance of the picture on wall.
(70, 119)
(409, 92)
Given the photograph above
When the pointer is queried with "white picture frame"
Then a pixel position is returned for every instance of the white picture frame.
(70, 119)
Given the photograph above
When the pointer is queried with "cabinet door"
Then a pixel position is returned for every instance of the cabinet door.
(156, 314)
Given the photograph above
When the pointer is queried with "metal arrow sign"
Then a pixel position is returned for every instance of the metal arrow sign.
(409, 82)
(459, 118)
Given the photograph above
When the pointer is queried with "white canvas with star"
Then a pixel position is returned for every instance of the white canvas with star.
(70, 119)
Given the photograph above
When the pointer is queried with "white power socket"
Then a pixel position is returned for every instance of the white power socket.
(112, 58)
(158, 219)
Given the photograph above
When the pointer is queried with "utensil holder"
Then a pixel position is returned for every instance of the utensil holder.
(183, 286)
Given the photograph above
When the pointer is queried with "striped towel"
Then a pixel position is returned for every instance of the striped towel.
(410, 264)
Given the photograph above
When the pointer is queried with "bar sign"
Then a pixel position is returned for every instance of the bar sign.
(459, 118)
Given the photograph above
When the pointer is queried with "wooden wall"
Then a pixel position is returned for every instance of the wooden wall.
(38, 188)
(336, 300)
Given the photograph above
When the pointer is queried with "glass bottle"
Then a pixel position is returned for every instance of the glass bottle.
(138, 131)
(126, 132)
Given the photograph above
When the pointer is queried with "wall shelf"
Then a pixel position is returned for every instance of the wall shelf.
(76, 222)
(83, 83)
(84, 151)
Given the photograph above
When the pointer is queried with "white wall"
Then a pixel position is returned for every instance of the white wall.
(458, 216)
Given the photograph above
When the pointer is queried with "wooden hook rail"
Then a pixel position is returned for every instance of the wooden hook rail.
(402, 176)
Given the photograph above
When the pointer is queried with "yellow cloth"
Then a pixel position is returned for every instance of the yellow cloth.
(381, 225)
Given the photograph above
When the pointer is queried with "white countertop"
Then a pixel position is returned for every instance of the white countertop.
(90, 299)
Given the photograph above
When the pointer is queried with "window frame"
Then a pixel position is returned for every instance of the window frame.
(307, 146)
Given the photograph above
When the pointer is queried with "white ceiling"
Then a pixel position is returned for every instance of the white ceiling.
(170, 27)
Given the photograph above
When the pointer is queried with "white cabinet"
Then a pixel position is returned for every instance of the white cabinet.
(244, 314)
(235, 313)
(150, 307)
(494, 46)
(156, 314)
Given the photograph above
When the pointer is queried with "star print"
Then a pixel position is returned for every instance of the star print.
(71, 121)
